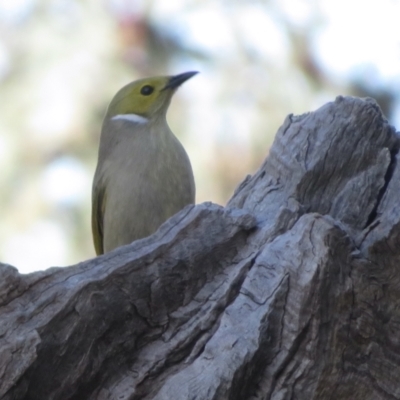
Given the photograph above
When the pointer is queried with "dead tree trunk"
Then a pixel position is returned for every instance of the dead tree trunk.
(292, 291)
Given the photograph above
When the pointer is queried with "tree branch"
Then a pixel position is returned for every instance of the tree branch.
(291, 291)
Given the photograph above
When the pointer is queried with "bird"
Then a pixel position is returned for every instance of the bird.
(143, 174)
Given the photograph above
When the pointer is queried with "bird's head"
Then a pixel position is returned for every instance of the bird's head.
(146, 98)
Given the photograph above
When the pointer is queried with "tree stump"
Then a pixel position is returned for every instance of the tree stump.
(291, 291)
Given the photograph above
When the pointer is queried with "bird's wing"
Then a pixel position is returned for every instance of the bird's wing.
(98, 208)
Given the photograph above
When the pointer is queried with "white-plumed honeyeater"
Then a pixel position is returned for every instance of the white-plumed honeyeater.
(143, 175)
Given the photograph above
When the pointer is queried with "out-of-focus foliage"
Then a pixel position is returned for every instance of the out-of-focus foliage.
(61, 61)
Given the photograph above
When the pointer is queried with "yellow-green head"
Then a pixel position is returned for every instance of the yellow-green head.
(148, 98)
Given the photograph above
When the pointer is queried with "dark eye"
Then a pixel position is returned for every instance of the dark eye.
(146, 90)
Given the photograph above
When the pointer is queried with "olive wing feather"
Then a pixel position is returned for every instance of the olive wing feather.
(98, 208)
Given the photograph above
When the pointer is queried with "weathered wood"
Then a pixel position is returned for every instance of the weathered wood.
(291, 291)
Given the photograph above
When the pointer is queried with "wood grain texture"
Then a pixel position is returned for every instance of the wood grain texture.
(292, 291)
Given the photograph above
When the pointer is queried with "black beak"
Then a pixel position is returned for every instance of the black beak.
(177, 80)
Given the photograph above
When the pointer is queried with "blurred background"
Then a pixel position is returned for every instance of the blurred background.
(61, 62)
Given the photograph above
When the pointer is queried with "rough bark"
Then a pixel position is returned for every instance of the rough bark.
(292, 291)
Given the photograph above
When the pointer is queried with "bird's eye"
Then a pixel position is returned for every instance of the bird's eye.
(146, 90)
